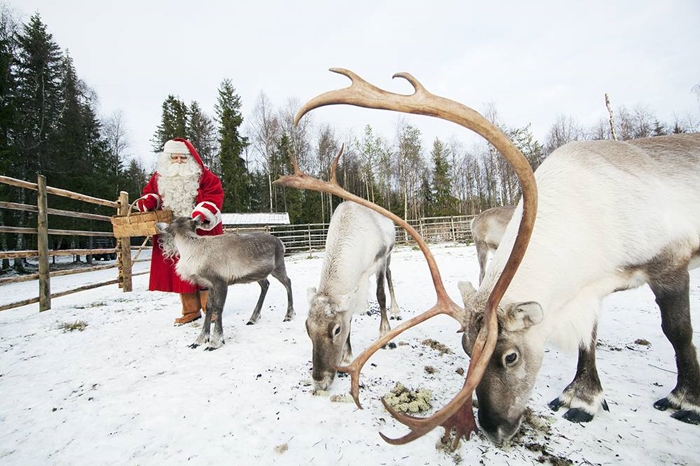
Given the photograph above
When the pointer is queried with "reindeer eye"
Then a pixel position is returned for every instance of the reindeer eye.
(336, 331)
(510, 358)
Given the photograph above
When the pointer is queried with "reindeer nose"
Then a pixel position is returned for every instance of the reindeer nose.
(497, 428)
(323, 381)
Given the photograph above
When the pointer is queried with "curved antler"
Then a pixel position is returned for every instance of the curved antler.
(458, 412)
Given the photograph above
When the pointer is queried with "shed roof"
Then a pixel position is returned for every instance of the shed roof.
(271, 218)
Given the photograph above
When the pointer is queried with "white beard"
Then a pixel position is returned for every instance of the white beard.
(178, 184)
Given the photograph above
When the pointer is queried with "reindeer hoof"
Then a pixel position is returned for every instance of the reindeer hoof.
(193, 345)
(663, 404)
(555, 404)
(250, 322)
(342, 374)
(578, 415)
(687, 416)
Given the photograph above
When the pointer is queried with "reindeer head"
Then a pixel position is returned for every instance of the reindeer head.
(505, 387)
(328, 326)
(363, 94)
(168, 233)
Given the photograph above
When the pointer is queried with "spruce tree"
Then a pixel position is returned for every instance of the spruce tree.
(37, 98)
(443, 202)
(234, 172)
(173, 123)
(202, 135)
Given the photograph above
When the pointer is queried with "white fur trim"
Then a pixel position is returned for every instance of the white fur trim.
(157, 198)
(176, 147)
(212, 218)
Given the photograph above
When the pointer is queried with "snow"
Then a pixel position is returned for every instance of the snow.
(127, 389)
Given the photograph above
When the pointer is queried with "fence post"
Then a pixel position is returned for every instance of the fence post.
(42, 240)
(308, 235)
(124, 276)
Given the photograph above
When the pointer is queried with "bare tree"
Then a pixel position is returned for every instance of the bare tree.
(326, 149)
(409, 159)
(565, 129)
(266, 131)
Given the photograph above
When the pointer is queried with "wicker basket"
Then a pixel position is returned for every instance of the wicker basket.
(139, 223)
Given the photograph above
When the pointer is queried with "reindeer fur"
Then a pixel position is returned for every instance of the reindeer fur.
(358, 245)
(215, 262)
(487, 231)
(612, 216)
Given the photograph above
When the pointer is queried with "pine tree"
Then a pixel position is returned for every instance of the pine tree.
(37, 98)
(202, 135)
(173, 123)
(444, 203)
(8, 114)
(36, 79)
(234, 172)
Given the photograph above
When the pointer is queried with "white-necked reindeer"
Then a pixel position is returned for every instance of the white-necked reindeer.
(612, 216)
(215, 262)
(358, 245)
(487, 231)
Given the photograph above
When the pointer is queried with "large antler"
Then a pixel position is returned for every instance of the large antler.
(458, 413)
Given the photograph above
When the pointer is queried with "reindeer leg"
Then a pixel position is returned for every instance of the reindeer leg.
(215, 310)
(482, 251)
(280, 273)
(346, 355)
(584, 395)
(673, 299)
(264, 285)
(395, 310)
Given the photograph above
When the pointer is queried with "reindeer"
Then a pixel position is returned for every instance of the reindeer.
(592, 237)
(487, 230)
(358, 245)
(215, 262)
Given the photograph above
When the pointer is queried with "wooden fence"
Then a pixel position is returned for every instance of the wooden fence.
(296, 238)
(312, 237)
(43, 232)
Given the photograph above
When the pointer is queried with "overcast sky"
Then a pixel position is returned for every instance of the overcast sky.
(532, 60)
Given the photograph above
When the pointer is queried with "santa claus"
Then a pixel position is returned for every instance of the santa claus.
(184, 185)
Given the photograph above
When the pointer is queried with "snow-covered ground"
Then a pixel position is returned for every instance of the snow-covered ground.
(127, 389)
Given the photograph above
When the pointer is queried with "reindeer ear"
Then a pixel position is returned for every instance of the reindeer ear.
(520, 316)
(160, 227)
(344, 301)
(197, 221)
(310, 294)
(466, 289)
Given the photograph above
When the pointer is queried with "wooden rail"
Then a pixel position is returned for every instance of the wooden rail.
(43, 232)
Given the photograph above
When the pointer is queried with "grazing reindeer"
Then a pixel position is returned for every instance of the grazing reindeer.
(487, 231)
(358, 245)
(592, 237)
(215, 262)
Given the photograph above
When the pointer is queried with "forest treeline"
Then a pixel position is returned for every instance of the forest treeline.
(49, 125)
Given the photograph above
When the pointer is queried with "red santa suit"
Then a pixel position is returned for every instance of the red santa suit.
(189, 189)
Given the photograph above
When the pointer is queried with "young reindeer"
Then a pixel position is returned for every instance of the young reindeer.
(487, 230)
(215, 262)
(592, 238)
(358, 245)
